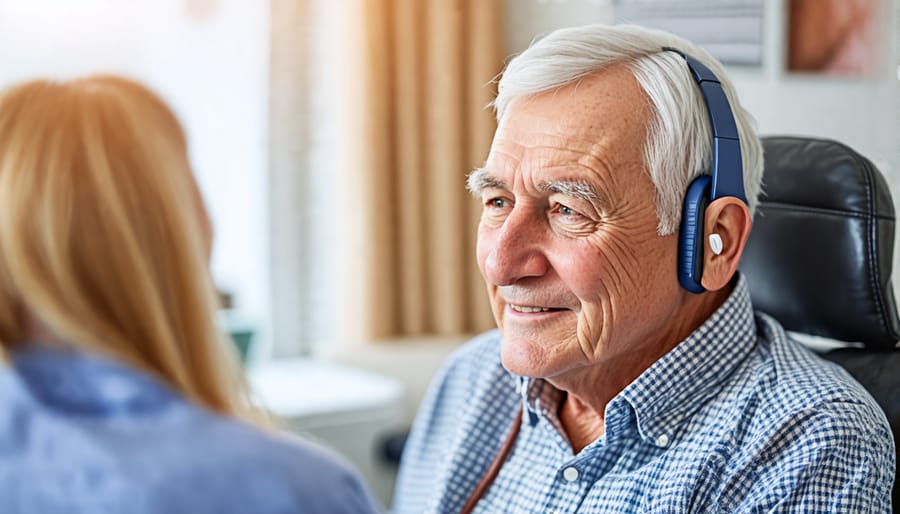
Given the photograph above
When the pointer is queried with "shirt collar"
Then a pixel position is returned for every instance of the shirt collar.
(540, 398)
(670, 390)
(80, 383)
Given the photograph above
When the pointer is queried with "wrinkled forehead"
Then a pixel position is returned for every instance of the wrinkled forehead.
(598, 122)
(609, 96)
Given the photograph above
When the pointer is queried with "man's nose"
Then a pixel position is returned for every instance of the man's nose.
(517, 249)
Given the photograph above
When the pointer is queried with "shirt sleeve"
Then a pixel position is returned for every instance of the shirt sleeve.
(837, 457)
(422, 453)
(353, 497)
(305, 478)
(456, 389)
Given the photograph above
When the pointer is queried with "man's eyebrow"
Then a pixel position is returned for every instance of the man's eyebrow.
(481, 179)
(573, 188)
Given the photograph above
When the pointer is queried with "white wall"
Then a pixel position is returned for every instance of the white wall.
(209, 59)
(528, 19)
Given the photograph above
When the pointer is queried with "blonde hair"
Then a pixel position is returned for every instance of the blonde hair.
(104, 237)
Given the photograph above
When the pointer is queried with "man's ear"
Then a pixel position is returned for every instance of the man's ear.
(729, 218)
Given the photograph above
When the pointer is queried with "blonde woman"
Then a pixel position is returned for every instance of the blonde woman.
(120, 394)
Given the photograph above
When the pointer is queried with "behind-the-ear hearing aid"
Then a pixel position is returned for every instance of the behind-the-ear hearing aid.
(726, 177)
(715, 243)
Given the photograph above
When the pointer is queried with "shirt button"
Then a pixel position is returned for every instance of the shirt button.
(570, 474)
(662, 440)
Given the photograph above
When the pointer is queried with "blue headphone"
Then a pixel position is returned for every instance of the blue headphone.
(726, 179)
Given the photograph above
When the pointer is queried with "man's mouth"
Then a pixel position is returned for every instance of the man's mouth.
(530, 309)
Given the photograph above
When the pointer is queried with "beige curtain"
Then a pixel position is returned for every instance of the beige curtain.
(422, 82)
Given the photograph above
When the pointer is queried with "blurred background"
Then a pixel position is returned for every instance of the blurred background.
(331, 139)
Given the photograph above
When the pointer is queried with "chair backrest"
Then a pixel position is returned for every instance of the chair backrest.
(820, 257)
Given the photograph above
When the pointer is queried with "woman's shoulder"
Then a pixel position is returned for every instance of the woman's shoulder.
(271, 472)
(167, 456)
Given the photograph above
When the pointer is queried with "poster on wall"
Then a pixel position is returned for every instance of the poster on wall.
(837, 37)
(731, 30)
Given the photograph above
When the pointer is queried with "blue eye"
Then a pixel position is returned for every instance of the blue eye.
(566, 210)
(497, 202)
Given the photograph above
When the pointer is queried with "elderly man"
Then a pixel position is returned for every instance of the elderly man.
(620, 381)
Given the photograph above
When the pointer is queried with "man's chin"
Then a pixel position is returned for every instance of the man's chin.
(523, 357)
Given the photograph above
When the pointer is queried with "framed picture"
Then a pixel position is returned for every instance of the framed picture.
(836, 37)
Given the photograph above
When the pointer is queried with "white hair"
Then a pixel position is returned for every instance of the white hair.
(679, 138)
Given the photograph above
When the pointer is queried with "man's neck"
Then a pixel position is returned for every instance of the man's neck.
(581, 423)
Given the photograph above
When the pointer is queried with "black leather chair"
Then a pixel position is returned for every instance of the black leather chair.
(820, 256)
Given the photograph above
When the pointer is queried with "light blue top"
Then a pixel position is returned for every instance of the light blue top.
(738, 418)
(82, 434)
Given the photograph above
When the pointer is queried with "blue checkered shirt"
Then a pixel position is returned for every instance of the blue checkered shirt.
(736, 418)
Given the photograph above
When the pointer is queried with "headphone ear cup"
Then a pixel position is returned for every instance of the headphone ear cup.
(690, 234)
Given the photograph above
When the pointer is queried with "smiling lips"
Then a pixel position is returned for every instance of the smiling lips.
(529, 309)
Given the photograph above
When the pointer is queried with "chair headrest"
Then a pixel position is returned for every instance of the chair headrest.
(820, 252)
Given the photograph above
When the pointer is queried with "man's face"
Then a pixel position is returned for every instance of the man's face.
(568, 242)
